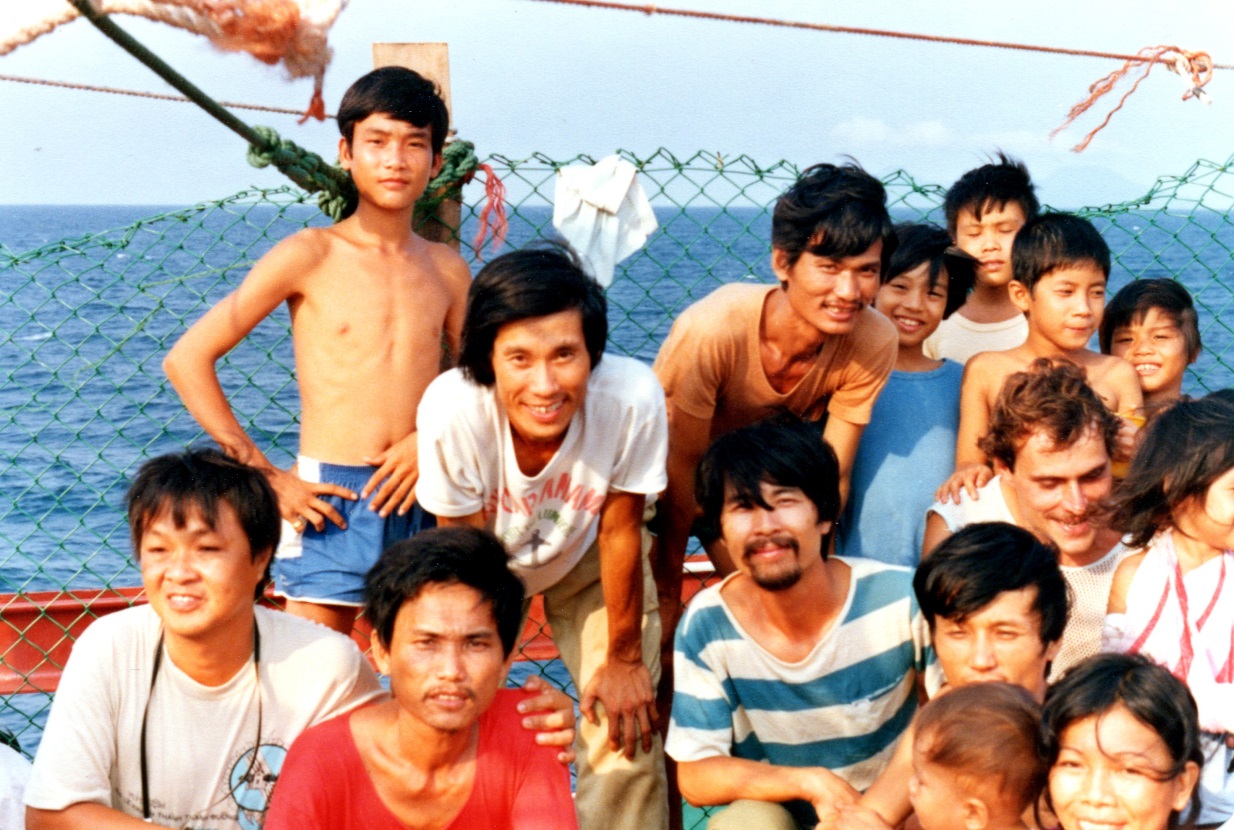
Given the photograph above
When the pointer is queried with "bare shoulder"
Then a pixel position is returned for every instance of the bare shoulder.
(936, 532)
(986, 370)
(1124, 575)
(989, 363)
(1114, 369)
(295, 256)
(308, 245)
(1113, 378)
(449, 265)
(1126, 570)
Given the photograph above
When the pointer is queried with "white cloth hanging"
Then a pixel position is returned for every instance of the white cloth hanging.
(603, 213)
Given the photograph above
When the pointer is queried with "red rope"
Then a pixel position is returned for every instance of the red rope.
(493, 216)
(1199, 65)
(316, 108)
(852, 30)
(157, 96)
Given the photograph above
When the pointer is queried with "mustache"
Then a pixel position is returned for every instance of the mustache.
(782, 540)
(1075, 518)
(451, 690)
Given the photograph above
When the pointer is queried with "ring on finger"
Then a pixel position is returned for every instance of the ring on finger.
(298, 523)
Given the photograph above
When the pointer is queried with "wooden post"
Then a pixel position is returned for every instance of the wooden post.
(432, 60)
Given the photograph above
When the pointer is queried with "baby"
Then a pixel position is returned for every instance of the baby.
(975, 761)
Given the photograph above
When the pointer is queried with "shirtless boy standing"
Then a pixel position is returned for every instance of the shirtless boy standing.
(371, 304)
(1061, 265)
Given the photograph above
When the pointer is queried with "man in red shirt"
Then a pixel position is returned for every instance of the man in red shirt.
(448, 749)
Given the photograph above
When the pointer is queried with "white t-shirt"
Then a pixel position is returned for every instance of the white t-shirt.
(199, 739)
(989, 506)
(959, 338)
(618, 441)
(14, 773)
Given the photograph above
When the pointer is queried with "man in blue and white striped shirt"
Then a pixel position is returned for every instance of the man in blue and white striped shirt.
(795, 675)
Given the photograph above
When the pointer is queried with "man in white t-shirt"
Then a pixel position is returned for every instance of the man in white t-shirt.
(1051, 439)
(180, 712)
(558, 452)
(14, 773)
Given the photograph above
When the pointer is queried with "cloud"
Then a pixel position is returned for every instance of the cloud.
(928, 133)
(860, 129)
(866, 131)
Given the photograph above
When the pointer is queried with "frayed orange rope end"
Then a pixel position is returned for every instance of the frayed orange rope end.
(1197, 65)
(493, 216)
(317, 105)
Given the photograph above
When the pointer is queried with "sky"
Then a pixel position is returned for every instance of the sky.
(535, 77)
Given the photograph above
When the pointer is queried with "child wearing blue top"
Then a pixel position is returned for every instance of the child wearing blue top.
(909, 445)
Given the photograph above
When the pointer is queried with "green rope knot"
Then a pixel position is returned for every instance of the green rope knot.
(458, 167)
(337, 194)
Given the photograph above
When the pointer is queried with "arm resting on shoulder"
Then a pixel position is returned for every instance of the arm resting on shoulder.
(971, 472)
(1126, 382)
(974, 412)
(967, 479)
(550, 714)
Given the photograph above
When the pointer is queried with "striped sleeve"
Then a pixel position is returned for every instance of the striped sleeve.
(701, 724)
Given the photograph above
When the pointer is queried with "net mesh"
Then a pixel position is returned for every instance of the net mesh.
(85, 322)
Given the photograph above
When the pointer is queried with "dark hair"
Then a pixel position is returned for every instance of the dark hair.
(780, 450)
(199, 479)
(448, 556)
(1149, 692)
(399, 93)
(992, 185)
(987, 734)
(926, 243)
(833, 211)
(537, 281)
(968, 570)
(1053, 397)
(1133, 301)
(1056, 240)
(1185, 449)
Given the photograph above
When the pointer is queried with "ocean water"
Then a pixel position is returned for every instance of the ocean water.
(91, 302)
(85, 321)
(92, 299)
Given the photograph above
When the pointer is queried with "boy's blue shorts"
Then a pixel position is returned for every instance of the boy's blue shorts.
(328, 567)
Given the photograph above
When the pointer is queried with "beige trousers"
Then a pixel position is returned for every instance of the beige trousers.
(614, 793)
(745, 814)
